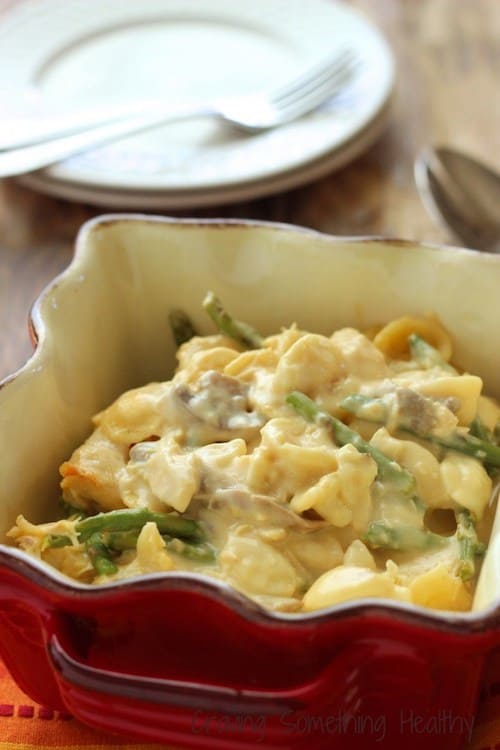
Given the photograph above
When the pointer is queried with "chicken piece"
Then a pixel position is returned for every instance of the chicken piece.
(312, 364)
(190, 353)
(90, 476)
(254, 567)
(291, 457)
(135, 415)
(159, 476)
(343, 496)
(361, 357)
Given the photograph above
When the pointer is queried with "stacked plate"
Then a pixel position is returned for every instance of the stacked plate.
(58, 57)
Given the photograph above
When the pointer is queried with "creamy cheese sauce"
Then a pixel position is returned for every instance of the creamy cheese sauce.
(286, 511)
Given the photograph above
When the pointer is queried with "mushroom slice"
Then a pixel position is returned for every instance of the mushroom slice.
(218, 409)
(261, 510)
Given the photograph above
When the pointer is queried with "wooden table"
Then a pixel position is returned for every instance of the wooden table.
(448, 56)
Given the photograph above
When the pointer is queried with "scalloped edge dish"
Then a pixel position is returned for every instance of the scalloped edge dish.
(97, 329)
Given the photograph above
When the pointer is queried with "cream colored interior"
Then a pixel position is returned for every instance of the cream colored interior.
(103, 326)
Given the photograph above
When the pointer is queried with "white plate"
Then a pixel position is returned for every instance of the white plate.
(185, 199)
(58, 56)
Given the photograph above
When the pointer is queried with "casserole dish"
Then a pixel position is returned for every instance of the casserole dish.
(179, 658)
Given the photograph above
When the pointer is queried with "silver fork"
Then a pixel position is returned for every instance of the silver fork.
(251, 113)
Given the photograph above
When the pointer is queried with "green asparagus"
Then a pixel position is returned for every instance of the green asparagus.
(401, 537)
(388, 469)
(202, 553)
(371, 408)
(182, 328)
(241, 332)
(404, 538)
(426, 355)
(469, 444)
(54, 541)
(479, 430)
(469, 544)
(107, 534)
(485, 452)
(135, 518)
(118, 541)
(69, 510)
(100, 555)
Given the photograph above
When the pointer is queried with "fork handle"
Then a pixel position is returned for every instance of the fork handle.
(16, 132)
(17, 161)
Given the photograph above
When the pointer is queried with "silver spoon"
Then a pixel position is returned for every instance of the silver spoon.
(462, 193)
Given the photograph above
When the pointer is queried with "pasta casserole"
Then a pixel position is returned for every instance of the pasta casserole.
(301, 469)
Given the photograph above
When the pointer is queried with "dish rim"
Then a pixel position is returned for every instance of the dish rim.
(48, 579)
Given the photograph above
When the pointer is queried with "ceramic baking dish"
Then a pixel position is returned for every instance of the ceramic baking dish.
(177, 658)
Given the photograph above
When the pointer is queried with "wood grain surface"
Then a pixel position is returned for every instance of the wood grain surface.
(448, 58)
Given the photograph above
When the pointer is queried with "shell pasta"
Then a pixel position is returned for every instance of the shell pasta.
(302, 469)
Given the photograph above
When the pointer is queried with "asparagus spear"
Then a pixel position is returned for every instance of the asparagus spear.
(371, 408)
(135, 518)
(485, 452)
(469, 444)
(106, 534)
(381, 534)
(469, 544)
(401, 537)
(241, 332)
(182, 328)
(405, 538)
(99, 555)
(388, 469)
(54, 541)
(478, 429)
(426, 355)
(203, 552)
(117, 541)
(69, 510)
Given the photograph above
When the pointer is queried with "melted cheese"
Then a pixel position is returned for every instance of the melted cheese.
(284, 507)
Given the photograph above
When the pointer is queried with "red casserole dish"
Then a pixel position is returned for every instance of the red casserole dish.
(178, 658)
